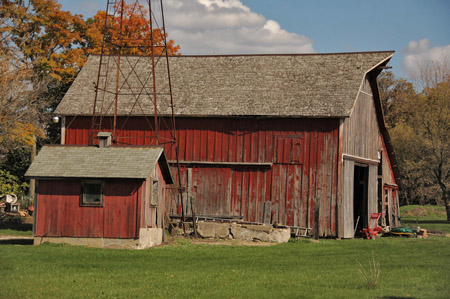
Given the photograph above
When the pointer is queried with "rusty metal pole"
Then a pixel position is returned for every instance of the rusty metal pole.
(173, 118)
(153, 71)
(118, 70)
(94, 112)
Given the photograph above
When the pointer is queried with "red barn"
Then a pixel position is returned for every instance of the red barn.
(102, 197)
(268, 138)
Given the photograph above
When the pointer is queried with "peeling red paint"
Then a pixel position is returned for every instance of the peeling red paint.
(304, 153)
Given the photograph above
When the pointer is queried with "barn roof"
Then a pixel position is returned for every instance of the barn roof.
(94, 162)
(301, 85)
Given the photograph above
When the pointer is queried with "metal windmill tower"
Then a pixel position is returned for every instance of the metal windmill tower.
(134, 76)
(125, 76)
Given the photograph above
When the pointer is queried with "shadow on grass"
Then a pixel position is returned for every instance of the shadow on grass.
(17, 226)
(17, 241)
(411, 221)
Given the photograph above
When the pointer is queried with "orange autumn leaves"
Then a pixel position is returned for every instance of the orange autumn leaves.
(131, 33)
(42, 49)
(57, 43)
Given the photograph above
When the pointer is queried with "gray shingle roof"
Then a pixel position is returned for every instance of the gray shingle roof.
(94, 162)
(308, 85)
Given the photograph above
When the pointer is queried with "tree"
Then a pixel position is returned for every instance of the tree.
(431, 124)
(132, 32)
(11, 184)
(19, 106)
(395, 96)
(38, 32)
(42, 49)
(420, 128)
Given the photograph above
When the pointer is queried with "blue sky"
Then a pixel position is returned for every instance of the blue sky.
(418, 30)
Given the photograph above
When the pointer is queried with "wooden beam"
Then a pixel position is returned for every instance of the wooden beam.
(250, 164)
(360, 159)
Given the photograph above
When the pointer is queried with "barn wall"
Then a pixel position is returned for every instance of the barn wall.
(59, 213)
(363, 143)
(152, 214)
(264, 170)
(361, 132)
(389, 204)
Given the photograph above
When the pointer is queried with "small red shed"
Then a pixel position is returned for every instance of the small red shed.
(100, 196)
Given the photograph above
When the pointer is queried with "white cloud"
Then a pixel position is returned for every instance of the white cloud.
(420, 54)
(228, 27)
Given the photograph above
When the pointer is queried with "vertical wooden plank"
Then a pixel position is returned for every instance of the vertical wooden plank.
(304, 215)
(290, 196)
(372, 196)
(275, 193)
(261, 146)
(189, 144)
(218, 141)
(239, 141)
(182, 143)
(225, 142)
(203, 143)
(340, 180)
(312, 178)
(237, 189)
(197, 142)
(211, 140)
(347, 198)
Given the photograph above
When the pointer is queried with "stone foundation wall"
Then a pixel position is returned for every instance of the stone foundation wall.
(243, 232)
(148, 237)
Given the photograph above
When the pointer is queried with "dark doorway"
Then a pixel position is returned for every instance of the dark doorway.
(360, 195)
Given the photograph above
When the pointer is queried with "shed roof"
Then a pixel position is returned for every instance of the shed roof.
(301, 85)
(94, 162)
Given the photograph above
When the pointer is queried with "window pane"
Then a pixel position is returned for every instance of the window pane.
(92, 193)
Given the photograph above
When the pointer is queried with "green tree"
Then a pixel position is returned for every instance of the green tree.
(9, 183)
(420, 128)
(431, 124)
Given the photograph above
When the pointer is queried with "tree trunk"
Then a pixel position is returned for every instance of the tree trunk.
(447, 207)
(446, 198)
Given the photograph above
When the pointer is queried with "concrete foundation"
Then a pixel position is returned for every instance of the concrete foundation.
(243, 232)
(148, 237)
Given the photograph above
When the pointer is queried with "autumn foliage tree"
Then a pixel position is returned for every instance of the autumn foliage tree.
(42, 49)
(128, 29)
(419, 124)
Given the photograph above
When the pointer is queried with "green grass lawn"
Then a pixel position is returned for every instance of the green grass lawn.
(329, 269)
(16, 229)
(429, 217)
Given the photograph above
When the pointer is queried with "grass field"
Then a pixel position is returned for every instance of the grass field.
(429, 217)
(410, 268)
(329, 269)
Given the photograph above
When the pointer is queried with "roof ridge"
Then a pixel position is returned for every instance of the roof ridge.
(266, 54)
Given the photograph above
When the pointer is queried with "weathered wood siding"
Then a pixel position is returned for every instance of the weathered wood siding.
(153, 203)
(59, 213)
(363, 140)
(226, 157)
(361, 132)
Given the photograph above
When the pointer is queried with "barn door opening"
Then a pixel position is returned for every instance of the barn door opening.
(360, 196)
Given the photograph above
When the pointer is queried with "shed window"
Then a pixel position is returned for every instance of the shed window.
(92, 194)
(155, 189)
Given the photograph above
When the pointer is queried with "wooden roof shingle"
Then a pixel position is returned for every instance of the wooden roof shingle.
(94, 162)
(303, 85)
